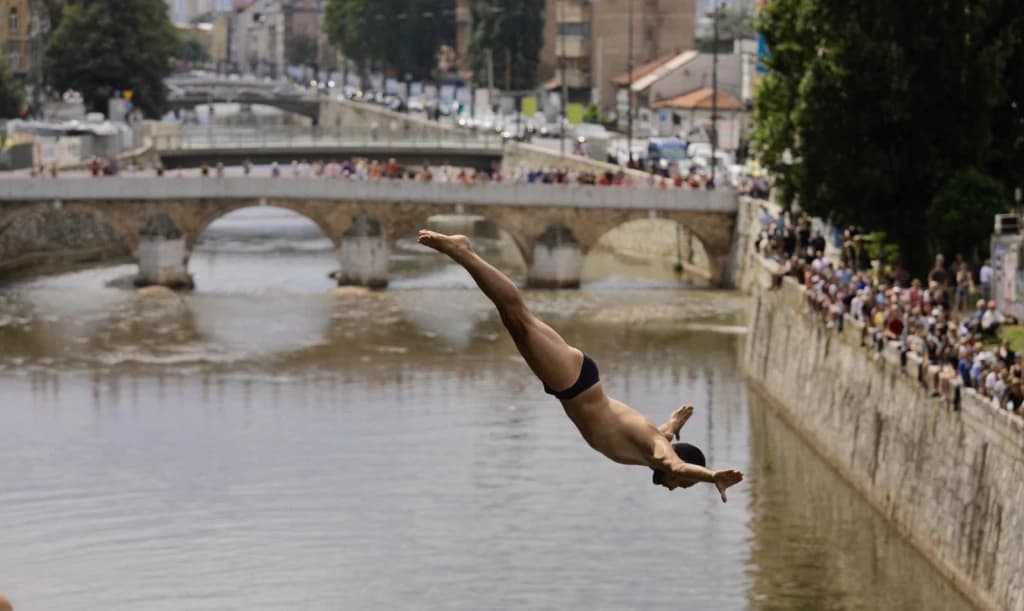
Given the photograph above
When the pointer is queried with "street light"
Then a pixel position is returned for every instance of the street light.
(714, 96)
(629, 87)
(565, 87)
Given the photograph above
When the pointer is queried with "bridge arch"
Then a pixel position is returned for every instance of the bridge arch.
(214, 212)
(660, 240)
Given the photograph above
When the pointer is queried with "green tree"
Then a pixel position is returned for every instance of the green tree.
(301, 50)
(399, 36)
(512, 33)
(872, 107)
(191, 51)
(104, 47)
(12, 94)
(960, 217)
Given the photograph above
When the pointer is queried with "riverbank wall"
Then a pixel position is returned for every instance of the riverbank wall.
(944, 465)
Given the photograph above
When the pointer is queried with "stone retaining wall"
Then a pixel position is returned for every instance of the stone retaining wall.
(942, 463)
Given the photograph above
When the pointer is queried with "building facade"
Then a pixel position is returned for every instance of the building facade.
(261, 31)
(19, 35)
(592, 38)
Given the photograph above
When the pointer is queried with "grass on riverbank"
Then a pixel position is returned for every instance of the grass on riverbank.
(1015, 335)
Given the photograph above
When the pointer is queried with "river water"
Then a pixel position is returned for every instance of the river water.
(264, 443)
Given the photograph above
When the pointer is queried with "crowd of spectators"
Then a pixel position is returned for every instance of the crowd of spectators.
(933, 319)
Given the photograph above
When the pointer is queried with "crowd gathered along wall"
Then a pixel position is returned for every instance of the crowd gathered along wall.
(942, 464)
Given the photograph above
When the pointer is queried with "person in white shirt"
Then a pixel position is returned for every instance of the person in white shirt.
(857, 307)
(991, 319)
(985, 279)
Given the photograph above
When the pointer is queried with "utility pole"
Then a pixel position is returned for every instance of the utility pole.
(629, 87)
(490, 80)
(565, 87)
(714, 98)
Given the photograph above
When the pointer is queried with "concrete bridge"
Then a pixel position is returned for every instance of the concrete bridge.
(192, 147)
(300, 105)
(159, 220)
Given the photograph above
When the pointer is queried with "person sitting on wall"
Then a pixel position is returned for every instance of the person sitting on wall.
(991, 320)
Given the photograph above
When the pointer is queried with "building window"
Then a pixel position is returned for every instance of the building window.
(574, 29)
(14, 59)
(12, 20)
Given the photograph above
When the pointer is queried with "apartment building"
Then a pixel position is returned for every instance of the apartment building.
(592, 37)
(16, 36)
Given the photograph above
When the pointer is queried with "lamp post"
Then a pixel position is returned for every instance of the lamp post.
(565, 88)
(629, 87)
(714, 97)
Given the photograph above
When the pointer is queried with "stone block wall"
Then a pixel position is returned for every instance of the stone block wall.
(942, 463)
(358, 118)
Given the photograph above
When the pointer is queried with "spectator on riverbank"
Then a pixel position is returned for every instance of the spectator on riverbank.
(898, 311)
(985, 280)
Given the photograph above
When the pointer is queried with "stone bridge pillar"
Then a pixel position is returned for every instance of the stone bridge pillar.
(557, 260)
(364, 255)
(163, 255)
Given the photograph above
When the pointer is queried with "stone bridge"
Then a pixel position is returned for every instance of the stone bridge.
(159, 220)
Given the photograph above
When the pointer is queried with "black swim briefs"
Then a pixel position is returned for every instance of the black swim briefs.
(588, 377)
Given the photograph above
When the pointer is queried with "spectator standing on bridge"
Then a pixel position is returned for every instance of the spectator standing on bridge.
(246, 167)
(275, 170)
(220, 169)
(204, 170)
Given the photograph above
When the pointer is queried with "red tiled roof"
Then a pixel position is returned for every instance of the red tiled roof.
(700, 99)
(642, 70)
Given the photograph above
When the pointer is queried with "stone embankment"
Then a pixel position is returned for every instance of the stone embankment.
(942, 464)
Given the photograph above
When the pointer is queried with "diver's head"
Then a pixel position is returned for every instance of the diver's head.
(688, 453)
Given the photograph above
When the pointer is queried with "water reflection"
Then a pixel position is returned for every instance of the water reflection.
(845, 556)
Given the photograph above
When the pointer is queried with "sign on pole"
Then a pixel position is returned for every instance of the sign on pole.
(528, 106)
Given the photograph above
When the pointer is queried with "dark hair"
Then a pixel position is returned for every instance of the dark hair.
(688, 453)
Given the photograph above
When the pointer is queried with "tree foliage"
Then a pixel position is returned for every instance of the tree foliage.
(301, 50)
(191, 51)
(960, 217)
(12, 94)
(872, 107)
(512, 32)
(103, 47)
(400, 36)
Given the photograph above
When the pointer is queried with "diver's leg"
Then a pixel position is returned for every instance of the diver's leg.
(555, 362)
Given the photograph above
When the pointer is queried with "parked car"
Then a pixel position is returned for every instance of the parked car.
(639, 154)
(663, 153)
(587, 132)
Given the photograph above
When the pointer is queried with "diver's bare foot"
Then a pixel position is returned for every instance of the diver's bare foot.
(450, 245)
(726, 479)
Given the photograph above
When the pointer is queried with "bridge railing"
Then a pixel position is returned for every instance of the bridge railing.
(368, 137)
(264, 189)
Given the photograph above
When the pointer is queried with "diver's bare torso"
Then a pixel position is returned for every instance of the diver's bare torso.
(612, 427)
